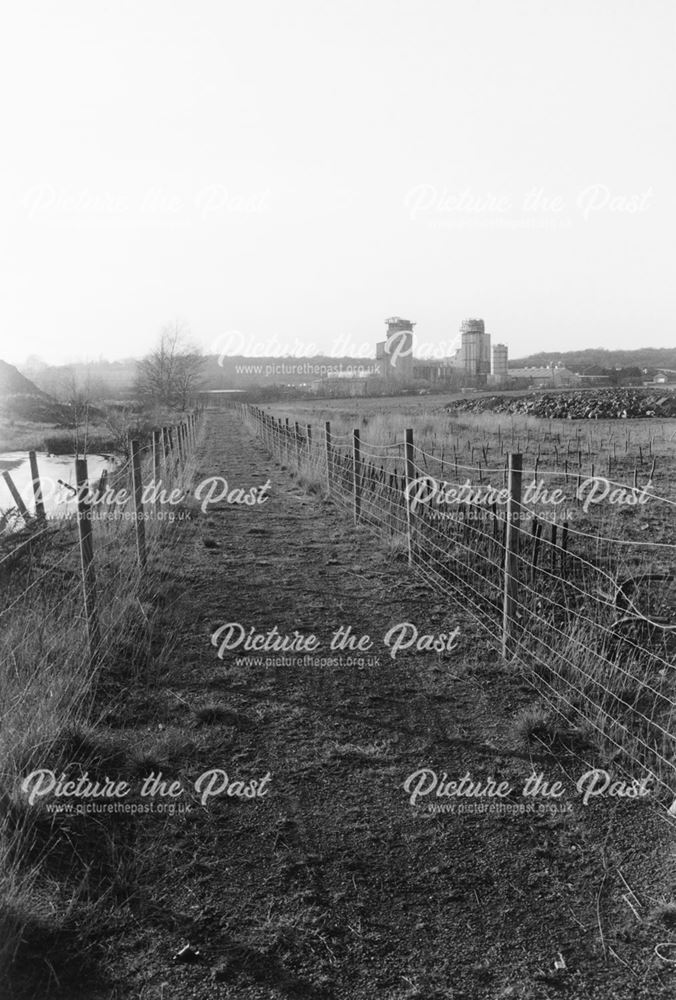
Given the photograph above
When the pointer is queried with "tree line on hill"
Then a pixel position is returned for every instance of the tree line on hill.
(651, 358)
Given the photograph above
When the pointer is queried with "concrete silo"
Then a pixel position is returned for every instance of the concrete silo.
(499, 368)
(395, 353)
(476, 348)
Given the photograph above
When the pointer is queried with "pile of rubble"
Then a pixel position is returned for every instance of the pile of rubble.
(597, 404)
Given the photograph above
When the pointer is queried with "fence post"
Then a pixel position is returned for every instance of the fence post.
(16, 496)
(409, 476)
(564, 547)
(37, 490)
(296, 434)
(309, 444)
(327, 439)
(172, 453)
(137, 486)
(356, 474)
(157, 466)
(511, 549)
(84, 525)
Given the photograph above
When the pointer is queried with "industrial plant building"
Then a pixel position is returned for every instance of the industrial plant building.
(549, 377)
(474, 363)
(394, 355)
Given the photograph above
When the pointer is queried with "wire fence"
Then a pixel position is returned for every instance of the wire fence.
(590, 617)
(70, 575)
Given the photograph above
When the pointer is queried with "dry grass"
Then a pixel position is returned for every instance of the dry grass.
(47, 692)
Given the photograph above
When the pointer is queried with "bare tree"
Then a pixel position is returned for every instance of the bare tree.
(77, 390)
(171, 373)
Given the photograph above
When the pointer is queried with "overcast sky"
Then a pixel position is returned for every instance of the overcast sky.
(297, 171)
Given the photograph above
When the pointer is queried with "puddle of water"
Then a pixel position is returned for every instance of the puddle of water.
(52, 469)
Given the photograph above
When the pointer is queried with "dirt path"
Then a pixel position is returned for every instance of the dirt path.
(332, 885)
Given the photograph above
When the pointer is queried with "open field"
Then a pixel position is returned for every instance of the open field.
(626, 451)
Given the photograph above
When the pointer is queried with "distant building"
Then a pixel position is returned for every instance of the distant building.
(549, 377)
(473, 364)
(499, 375)
(394, 355)
(342, 387)
(594, 375)
(475, 350)
(664, 376)
(435, 371)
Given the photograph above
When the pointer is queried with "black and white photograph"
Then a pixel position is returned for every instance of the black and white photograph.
(338, 500)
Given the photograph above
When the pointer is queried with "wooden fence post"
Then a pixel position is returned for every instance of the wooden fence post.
(84, 525)
(137, 486)
(309, 443)
(296, 434)
(327, 440)
(409, 476)
(171, 465)
(157, 465)
(356, 474)
(512, 528)
(16, 497)
(37, 489)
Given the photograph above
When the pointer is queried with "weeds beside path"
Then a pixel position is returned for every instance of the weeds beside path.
(333, 885)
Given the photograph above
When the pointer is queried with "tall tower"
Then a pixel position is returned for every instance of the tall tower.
(395, 353)
(475, 352)
(499, 367)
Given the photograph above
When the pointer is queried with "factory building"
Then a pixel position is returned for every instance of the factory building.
(549, 377)
(394, 355)
(473, 364)
(499, 366)
(475, 350)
